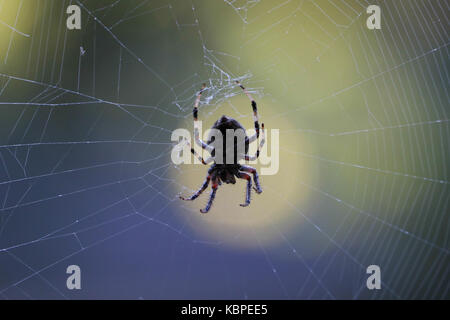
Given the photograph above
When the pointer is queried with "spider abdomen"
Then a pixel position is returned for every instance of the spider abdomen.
(238, 144)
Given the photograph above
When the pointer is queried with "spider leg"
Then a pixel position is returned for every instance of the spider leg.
(260, 145)
(199, 191)
(255, 177)
(243, 175)
(212, 195)
(198, 141)
(255, 113)
(199, 157)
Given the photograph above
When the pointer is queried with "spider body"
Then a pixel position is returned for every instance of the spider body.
(223, 125)
(227, 171)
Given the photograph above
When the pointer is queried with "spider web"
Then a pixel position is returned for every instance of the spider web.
(86, 119)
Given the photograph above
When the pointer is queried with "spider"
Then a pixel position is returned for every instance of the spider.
(227, 172)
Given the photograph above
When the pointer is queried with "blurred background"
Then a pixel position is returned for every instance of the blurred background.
(86, 177)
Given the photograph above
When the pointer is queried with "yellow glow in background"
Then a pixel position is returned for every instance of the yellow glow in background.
(227, 221)
(15, 34)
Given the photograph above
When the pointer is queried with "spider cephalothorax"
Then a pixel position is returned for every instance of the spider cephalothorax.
(227, 171)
